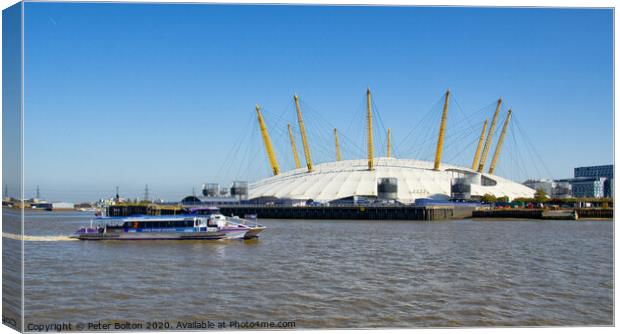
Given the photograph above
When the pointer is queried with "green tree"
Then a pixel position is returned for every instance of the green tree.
(540, 196)
(523, 199)
(488, 198)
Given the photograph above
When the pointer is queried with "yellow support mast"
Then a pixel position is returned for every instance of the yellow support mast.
(498, 148)
(389, 143)
(371, 164)
(293, 147)
(489, 141)
(442, 130)
(304, 138)
(338, 156)
(477, 154)
(270, 153)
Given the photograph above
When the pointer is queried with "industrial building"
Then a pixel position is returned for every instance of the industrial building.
(591, 181)
(604, 173)
(385, 178)
(553, 188)
(588, 187)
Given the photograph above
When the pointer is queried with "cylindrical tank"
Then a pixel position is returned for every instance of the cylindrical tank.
(211, 189)
(461, 188)
(387, 188)
(239, 190)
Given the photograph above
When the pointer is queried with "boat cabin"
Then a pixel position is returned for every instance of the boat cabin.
(165, 223)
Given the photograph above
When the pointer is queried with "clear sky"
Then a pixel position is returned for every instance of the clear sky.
(164, 95)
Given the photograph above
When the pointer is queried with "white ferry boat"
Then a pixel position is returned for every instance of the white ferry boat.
(179, 227)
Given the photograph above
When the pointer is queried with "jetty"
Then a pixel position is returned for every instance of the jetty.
(372, 212)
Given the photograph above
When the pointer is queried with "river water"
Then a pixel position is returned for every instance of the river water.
(321, 274)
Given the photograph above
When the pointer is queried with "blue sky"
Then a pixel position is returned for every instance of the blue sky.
(135, 94)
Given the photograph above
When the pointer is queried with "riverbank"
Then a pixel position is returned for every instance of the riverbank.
(581, 213)
(413, 213)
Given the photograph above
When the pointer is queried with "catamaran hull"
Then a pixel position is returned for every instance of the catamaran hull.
(220, 235)
(253, 232)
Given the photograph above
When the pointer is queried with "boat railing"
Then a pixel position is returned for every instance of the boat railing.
(247, 222)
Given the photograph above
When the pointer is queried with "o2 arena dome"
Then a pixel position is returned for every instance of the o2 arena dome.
(388, 178)
(398, 179)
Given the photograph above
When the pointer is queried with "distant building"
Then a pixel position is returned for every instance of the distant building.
(553, 188)
(191, 200)
(588, 187)
(604, 173)
(63, 205)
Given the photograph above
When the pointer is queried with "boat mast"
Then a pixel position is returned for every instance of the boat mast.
(369, 129)
(498, 148)
(293, 147)
(338, 156)
(442, 130)
(477, 154)
(389, 143)
(487, 144)
(304, 138)
(270, 154)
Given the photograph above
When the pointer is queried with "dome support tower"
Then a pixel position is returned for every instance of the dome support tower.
(293, 147)
(389, 143)
(498, 148)
(474, 164)
(270, 153)
(442, 130)
(338, 156)
(489, 141)
(304, 138)
(371, 164)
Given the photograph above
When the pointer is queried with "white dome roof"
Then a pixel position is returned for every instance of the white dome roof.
(416, 179)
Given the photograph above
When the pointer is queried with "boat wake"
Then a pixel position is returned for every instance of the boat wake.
(37, 237)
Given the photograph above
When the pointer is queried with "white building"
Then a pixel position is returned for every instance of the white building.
(62, 205)
(415, 179)
(555, 189)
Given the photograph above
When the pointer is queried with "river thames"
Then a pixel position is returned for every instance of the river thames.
(321, 274)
